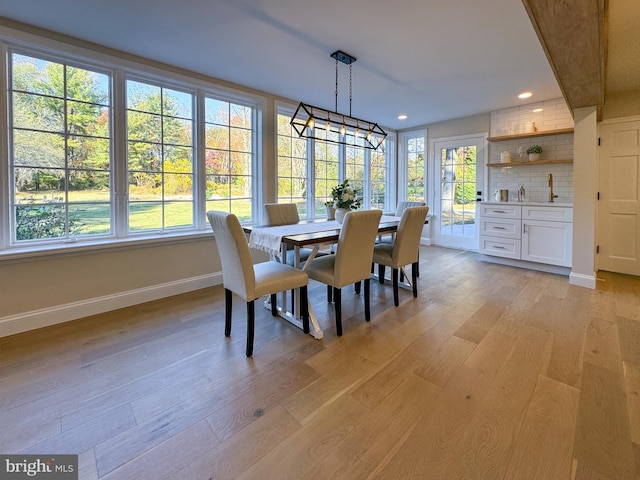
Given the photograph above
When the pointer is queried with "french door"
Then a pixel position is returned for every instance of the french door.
(459, 180)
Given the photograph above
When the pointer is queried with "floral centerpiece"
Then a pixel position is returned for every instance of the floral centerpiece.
(345, 198)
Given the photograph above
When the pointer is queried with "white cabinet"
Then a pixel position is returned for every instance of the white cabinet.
(500, 230)
(535, 233)
(547, 235)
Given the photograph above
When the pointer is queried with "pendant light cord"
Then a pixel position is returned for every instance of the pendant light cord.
(336, 109)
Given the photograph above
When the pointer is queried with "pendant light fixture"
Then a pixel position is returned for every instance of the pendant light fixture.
(308, 120)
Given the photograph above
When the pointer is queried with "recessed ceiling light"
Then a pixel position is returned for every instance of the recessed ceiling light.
(402, 117)
(524, 95)
(537, 110)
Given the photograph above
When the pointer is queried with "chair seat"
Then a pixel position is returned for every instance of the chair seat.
(383, 253)
(275, 277)
(322, 270)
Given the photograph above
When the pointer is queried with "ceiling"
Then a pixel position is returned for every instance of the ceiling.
(432, 61)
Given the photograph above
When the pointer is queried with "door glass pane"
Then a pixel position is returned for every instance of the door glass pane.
(458, 191)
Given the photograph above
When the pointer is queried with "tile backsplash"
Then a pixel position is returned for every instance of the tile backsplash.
(512, 121)
(534, 179)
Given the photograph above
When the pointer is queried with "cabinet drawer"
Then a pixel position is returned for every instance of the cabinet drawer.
(502, 211)
(500, 227)
(552, 214)
(500, 247)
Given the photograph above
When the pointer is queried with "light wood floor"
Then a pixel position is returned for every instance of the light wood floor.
(492, 372)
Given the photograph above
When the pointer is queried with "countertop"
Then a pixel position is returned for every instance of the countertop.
(536, 204)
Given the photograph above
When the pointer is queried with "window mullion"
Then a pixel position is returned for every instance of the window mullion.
(119, 193)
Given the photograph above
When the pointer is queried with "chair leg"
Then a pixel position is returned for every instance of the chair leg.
(251, 323)
(414, 278)
(380, 273)
(357, 287)
(394, 279)
(274, 304)
(337, 297)
(329, 293)
(228, 302)
(367, 310)
(304, 307)
(418, 265)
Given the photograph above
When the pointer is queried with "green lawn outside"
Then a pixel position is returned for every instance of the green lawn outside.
(93, 217)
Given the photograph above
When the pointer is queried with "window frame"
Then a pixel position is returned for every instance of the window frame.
(403, 163)
(119, 68)
(389, 142)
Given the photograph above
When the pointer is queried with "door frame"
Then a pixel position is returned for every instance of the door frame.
(482, 154)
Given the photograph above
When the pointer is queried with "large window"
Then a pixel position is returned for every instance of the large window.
(412, 167)
(229, 157)
(160, 157)
(60, 158)
(101, 153)
(324, 166)
(326, 171)
(292, 166)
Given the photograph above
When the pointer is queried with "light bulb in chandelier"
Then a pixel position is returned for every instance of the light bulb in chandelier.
(343, 130)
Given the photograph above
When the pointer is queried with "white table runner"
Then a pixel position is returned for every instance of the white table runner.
(269, 239)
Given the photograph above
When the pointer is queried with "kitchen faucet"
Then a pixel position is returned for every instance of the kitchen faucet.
(550, 183)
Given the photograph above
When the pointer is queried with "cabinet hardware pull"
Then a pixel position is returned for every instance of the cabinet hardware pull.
(497, 247)
(499, 228)
(499, 211)
(524, 228)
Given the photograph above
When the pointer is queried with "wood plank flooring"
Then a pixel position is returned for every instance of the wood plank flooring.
(492, 372)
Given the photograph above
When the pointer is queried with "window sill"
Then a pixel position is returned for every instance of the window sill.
(21, 254)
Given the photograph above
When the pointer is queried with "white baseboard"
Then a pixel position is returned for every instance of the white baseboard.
(425, 241)
(45, 317)
(581, 280)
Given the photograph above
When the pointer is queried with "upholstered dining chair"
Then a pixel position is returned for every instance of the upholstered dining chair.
(352, 261)
(404, 250)
(400, 208)
(249, 281)
(276, 214)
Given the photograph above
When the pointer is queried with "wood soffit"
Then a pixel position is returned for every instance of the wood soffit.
(573, 34)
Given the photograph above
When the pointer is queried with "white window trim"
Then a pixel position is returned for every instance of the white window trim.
(119, 68)
(403, 175)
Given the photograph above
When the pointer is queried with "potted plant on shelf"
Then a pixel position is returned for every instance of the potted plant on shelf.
(534, 152)
(345, 198)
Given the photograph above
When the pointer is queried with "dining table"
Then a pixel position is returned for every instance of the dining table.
(277, 240)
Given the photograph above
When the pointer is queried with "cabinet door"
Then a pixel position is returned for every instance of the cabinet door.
(547, 242)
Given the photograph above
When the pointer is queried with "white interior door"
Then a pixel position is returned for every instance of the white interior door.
(459, 178)
(619, 204)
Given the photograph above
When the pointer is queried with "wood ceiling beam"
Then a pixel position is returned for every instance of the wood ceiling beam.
(573, 34)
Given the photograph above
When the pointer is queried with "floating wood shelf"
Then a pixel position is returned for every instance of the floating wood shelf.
(526, 163)
(561, 131)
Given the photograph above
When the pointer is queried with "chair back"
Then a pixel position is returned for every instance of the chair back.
(280, 214)
(355, 246)
(407, 242)
(402, 206)
(237, 265)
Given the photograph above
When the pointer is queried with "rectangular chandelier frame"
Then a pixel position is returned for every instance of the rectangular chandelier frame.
(309, 120)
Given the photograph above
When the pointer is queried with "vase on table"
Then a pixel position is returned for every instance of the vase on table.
(340, 213)
(331, 213)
